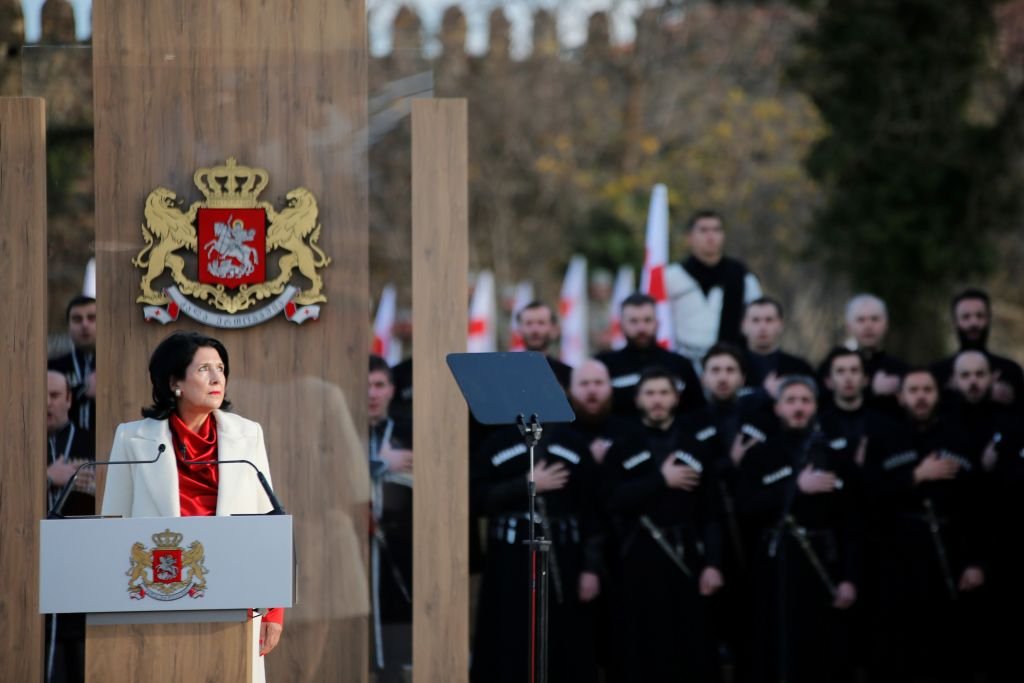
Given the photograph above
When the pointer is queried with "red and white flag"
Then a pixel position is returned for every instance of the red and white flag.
(482, 319)
(573, 309)
(652, 281)
(384, 343)
(625, 284)
(523, 295)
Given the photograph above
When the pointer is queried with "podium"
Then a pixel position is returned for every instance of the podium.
(168, 598)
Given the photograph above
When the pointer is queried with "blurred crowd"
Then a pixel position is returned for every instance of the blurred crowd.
(732, 510)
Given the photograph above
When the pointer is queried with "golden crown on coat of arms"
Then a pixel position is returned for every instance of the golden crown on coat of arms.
(230, 185)
(167, 539)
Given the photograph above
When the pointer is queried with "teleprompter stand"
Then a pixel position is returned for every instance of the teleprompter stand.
(503, 389)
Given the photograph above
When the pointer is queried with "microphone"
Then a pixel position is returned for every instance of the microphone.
(274, 502)
(54, 512)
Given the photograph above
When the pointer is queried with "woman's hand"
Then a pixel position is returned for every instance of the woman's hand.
(270, 634)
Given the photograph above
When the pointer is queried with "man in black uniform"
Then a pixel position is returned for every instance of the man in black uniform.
(68, 446)
(846, 415)
(847, 423)
(983, 419)
(566, 498)
(1007, 560)
(729, 424)
(390, 444)
(766, 362)
(972, 318)
(663, 499)
(591, 396)
(800, 493)
(639, 323)
(538, 326)
(921, 484)
(79, 366)
(984, 422)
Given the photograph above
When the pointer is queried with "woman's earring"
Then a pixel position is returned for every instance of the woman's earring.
(177, 392)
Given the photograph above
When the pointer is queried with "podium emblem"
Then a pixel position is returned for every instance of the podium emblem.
(167, 571)
(251, 261)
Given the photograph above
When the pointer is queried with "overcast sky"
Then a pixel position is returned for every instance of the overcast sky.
(572, 19)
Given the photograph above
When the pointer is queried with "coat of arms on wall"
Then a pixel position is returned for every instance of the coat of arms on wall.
(246, 252)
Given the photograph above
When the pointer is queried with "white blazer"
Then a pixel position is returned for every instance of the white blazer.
(151, 489)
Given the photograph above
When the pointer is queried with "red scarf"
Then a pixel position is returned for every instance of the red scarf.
(197, 484)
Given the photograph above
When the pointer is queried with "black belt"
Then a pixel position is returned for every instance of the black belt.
(513, 529)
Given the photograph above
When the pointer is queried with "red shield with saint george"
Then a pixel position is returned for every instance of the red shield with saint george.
(167, 566)
(232, 246)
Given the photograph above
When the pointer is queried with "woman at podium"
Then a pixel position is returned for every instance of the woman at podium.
(189, 373)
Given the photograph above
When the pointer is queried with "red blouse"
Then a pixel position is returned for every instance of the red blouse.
(197, 484)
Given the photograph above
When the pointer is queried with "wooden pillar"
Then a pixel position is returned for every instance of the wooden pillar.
(280, 85)
(23, 367)
(440, 219)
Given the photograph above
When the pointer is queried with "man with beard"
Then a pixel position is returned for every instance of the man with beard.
(708, 290)
(79, 366)
(766, 363)
(972, 318)
(538, 326)
(590, 393)
(799, 492)
(982, 418)
(867, 322)
(639, 322)
(567, 495)
(921, 485)
(662, 499)
(391, 458)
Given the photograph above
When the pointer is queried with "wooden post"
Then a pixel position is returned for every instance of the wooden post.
(440, 219)
(280, 85)
(23, 367)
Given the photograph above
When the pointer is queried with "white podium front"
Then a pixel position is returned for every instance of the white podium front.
(180, 586)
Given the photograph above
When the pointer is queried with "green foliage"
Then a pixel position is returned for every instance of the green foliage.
(910, 198)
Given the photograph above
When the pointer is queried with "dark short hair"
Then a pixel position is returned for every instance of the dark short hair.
(971, 294)
(842, 352)
(171, 359)
(535, 304)
(67, 384)
(701, 214)
(654, 372)
(725, 349)
(638, 299)
(798, 380)
(767, 301)
(378, 364)
(919, 370)
(80, 300)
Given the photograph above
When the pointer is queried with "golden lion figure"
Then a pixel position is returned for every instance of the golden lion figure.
(192, 560)
(289, 230)
(166, 230)
(141, 560)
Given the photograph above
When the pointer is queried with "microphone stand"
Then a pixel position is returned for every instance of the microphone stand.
(54, 512)
(274, 502)
(539, 563)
